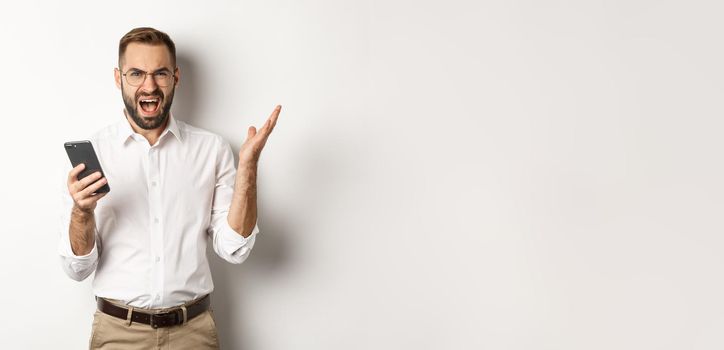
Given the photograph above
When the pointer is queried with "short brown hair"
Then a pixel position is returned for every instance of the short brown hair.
(146, 35)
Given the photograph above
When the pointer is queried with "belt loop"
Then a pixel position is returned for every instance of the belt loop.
(183, 308)
(129, 317)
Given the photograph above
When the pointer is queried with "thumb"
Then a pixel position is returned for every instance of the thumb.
(251, 133)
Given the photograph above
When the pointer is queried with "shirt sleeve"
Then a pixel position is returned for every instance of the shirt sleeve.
(77, 267)
(227, 243)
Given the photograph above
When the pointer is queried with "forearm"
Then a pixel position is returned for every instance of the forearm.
(242, 213)
(82, 231)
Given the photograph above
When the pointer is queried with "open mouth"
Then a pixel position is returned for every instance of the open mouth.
(149, 106)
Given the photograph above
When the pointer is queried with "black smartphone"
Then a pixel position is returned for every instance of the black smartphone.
(83, 152)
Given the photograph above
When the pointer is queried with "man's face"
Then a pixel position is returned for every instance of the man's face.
(147, 104)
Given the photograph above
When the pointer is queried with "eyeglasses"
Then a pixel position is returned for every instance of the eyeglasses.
(136, 77)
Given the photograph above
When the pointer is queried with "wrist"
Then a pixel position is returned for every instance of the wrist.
(248, 165)
(84, 213)
(246, 171)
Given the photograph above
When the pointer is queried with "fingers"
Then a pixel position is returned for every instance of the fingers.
(73, 174)
(275, 116)
(266, 129)
(84, 182)
(269, 125)
(90, 202)
(88, 191)
(84, 191)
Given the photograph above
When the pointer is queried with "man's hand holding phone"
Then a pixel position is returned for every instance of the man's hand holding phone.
(84, 191)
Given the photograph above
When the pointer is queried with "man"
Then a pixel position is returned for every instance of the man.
(172, 186)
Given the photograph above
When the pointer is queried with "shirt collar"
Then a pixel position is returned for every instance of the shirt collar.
(125, 130)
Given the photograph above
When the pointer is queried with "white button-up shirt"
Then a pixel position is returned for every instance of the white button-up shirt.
(152, 228)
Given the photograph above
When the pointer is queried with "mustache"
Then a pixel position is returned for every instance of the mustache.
(154, 93)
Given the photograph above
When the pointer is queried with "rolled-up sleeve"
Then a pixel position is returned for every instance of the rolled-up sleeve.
(77, 267)
(227, 243)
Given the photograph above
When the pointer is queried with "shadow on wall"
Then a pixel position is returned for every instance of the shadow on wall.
(187, 93)
(270, 255)
(271, 249)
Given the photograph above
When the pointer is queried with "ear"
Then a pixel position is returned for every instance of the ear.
(177, 76)
(117, 77)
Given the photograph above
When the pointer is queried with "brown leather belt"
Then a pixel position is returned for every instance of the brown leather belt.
(173, 317)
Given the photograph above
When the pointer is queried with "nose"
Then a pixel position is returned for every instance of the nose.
(149, 84)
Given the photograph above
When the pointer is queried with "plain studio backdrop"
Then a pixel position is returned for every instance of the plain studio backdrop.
(443, 175)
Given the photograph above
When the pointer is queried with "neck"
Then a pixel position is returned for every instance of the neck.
(152, 135)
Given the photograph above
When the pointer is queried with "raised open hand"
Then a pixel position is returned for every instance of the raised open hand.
(255, 141)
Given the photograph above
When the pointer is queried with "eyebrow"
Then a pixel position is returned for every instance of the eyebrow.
(156, 71)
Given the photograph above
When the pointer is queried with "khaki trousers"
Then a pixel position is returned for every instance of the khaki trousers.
(111, 333)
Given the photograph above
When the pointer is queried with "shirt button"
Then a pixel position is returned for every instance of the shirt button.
(158, 259)
(155, 220)
(153, 184)
(158, 297)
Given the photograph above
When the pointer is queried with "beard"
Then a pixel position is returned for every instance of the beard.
(148, 123)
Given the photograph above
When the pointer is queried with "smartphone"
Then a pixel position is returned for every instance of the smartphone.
(83, 152)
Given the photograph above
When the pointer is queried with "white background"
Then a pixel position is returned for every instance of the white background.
(443, 175)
